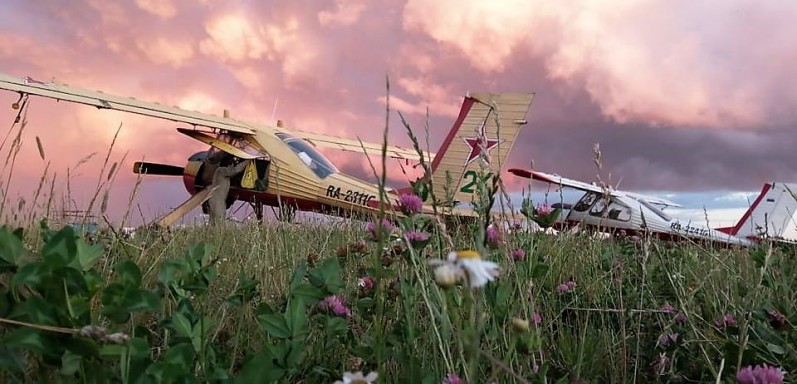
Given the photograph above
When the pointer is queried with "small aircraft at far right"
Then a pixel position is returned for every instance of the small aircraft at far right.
(772, 216)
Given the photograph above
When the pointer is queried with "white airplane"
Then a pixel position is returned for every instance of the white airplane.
(771, 216)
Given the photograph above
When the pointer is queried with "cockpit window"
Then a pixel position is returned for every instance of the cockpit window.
(586, 202)
(309, 156)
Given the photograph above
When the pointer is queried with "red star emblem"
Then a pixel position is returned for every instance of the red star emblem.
(477, 145)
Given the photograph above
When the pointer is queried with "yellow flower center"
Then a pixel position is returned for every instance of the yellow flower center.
(468, 255)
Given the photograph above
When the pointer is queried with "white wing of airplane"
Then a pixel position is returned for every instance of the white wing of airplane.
(103, 100)
(580, 185)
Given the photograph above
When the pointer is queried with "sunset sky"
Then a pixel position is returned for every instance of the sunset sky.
(690, 98)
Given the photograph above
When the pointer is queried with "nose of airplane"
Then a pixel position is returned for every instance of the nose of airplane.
(199, 156)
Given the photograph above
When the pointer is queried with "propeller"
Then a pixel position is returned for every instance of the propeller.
(142, 167)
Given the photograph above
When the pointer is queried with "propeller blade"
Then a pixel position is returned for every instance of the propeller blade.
(195, 200)
(143, 167)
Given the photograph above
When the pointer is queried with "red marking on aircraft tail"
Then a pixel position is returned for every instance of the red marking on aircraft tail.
(452, 134)
(734, 230)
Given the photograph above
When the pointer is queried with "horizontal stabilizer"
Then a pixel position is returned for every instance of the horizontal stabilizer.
(142, 167)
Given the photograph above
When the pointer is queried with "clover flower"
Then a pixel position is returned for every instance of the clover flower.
(494, 237)
(727, 320)
(416, 238)
(358, 378)
(335, 305)
(464, 263)
(366, 283)
(760, 374)
(452, 378)
(667, 339)
(680, 318)
(518, 254)
(777, 320)
(543, 210)
(376, 233)
(410, 203)
(536, 319)
(667, 308)
(565, 287)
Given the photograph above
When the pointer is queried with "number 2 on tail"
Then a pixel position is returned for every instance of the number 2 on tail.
(474, 177)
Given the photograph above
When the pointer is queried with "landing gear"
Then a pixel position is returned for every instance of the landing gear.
(258, 208)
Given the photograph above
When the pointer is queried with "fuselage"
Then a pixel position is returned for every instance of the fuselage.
(619, 212)
(290, 172)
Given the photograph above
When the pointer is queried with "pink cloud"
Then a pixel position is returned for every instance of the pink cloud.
(646, 61)
(162, 8)
(165, 51)
(346, 12)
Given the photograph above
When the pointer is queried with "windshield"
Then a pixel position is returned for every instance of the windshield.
(309, 156)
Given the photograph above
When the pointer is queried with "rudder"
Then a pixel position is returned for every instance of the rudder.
(486, 129)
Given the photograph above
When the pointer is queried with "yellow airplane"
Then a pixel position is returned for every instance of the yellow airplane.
(287, 170)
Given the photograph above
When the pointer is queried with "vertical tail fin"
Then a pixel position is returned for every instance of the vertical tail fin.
(772, 214)
(480, 141)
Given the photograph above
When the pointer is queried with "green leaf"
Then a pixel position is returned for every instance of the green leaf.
(128, 274)
(31, 275)
(87, 255)
(365, 303)
(70, 363)
(12, 250)
(297, 318)
(40, 311)
(198, 254)
(140, 300)
(171, 271)
(336, 326)
(275, 325)
(310, 294)
(182, 325)
(327, 276)
(181, 355)
(61, 249)
(776, 349)
(82, 346)
(295, 354)
(260, 369)
(298, 276)
(25, 338)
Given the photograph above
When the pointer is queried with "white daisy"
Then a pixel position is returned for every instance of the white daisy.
(480, 272)
(358, 378)
(464, 263)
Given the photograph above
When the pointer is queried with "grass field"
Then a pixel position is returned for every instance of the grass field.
(246, 302)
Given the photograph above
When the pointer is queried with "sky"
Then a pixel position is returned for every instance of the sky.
(687, 98)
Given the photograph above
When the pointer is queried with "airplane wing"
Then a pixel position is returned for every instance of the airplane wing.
(372, 149)
(580, 185)
(102, 100)
(556, 179)
(653, 199)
